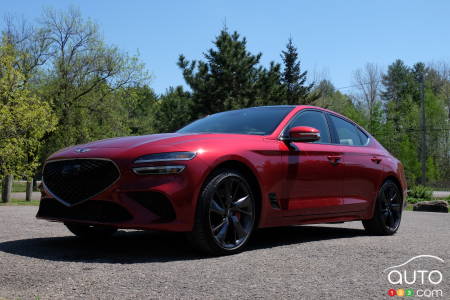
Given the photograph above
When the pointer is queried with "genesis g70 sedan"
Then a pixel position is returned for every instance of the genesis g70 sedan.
(222, 176)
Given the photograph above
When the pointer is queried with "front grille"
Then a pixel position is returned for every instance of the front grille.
(92, 210)
(75, 180)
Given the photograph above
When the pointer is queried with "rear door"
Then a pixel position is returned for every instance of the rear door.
(314, 170)
(360, 165)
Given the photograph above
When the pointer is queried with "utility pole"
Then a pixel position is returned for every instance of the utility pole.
(423, 143)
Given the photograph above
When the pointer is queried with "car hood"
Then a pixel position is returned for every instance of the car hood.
(157, 142)
(133, 141)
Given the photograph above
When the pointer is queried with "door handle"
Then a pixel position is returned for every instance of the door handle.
(376, 160)
(334, 159)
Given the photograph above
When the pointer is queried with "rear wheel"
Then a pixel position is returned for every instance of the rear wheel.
(225, 214)
(388, 211)
(86, 231)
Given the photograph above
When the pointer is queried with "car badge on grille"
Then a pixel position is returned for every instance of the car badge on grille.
(82, 150)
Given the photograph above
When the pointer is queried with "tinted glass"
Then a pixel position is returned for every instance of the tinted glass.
(347, 132)
(364, 138)
(256, 120)
(314, 119)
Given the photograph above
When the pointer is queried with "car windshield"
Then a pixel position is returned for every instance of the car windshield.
(255, 120)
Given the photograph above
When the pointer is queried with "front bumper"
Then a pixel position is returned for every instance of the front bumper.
(156, 202)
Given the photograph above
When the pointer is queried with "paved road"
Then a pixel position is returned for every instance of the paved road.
(41, 259)
(37, 195)
(441, 194)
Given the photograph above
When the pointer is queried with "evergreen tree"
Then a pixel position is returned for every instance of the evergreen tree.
(139, 102)
(400, 87)
(230, 77)
(172, 111)
(293, 79)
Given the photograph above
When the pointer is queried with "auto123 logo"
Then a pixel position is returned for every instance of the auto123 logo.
(420, 276)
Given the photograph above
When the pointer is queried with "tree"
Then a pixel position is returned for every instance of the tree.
(79, 75)
(24, 118)
(368, 81)
(139, 102)
(333, 99)
(230, 77)
(399, 88)
(293, 79)
(172, 111)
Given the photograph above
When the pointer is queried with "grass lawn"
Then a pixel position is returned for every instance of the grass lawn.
(20, 202)
(19, 187)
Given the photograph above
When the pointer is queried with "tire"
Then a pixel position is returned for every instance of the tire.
(388, 211)
(225, 215)
(90, 232)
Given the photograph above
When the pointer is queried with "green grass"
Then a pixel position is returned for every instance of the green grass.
(19, 187)
(16, 202)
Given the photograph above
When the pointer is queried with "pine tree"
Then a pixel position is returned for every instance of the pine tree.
(230, 77)
(294, 81)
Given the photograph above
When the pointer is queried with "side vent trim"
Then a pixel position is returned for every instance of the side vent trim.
(273, 201)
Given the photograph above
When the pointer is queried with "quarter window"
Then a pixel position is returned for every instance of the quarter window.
(346, 131)
(364, 138)
(314, 119)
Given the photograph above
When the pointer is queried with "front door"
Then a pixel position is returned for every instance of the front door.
(314, 170)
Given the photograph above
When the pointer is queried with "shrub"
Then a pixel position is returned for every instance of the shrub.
(420, 193)
(416, 200)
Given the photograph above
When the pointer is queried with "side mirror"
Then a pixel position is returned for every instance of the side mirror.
(304, 134)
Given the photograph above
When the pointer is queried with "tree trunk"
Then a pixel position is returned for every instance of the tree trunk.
(7, 188)
(29, 189)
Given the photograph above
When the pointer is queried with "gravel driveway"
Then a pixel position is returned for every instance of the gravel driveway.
(41, 260)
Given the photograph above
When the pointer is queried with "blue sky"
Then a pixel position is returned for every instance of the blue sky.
(334, 37)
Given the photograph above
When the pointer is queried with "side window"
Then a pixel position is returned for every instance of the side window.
(314, 119)
(364, 138)
(347, 132)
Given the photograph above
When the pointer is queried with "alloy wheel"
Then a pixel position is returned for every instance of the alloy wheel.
(391, 208)
(231, 213)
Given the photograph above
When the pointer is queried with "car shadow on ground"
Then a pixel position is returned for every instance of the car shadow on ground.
(127, 247)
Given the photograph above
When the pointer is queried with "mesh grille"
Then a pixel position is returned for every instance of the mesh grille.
(76, 180)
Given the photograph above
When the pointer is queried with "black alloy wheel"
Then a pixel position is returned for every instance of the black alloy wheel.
(388, 211)
(226, 214)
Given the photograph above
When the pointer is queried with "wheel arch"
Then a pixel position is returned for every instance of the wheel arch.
(248, 173)
(394, 179)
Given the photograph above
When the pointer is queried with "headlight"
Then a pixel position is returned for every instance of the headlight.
(158, 170)
(168, 156)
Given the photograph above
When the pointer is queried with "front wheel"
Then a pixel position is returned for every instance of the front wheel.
(225, 215)
(388, 211)
(86, 231)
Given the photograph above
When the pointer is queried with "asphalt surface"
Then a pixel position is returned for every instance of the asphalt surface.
(41, 260)
(37, 195)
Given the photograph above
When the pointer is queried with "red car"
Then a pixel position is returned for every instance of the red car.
(221, 177)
